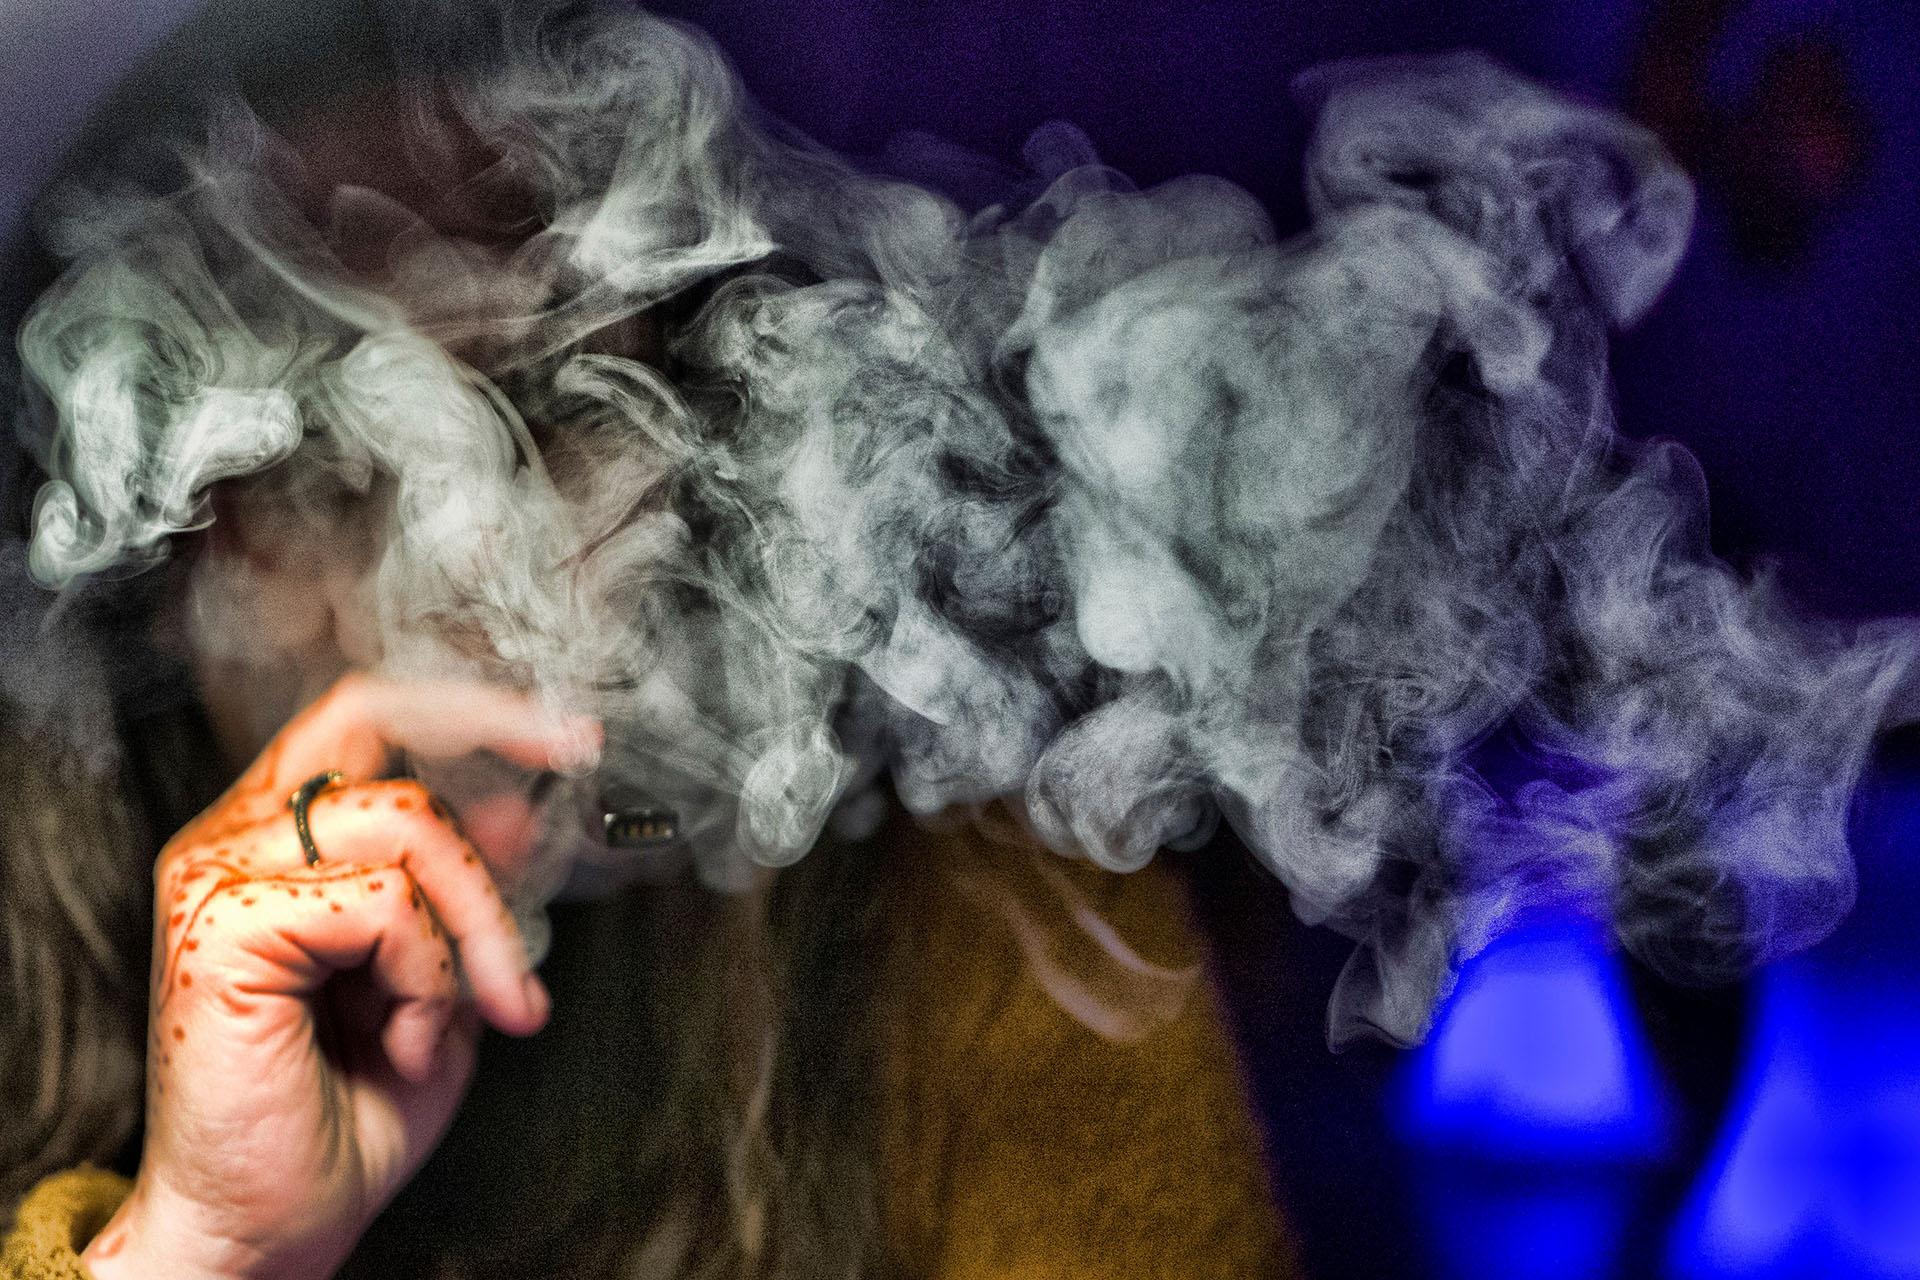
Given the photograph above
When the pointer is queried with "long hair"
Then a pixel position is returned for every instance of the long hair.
(102, 758)
(72, 961)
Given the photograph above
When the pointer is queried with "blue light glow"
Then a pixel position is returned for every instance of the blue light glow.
(1817, 1169)
(1518, 1223)
(1817, 1172)
(1537, 1056)
(1536, 1105)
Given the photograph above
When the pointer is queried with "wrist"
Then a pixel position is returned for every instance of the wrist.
(150, 1240)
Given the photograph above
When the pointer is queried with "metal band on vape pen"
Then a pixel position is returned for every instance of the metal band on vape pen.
(643, 828)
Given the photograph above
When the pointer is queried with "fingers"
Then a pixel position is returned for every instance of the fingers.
(286, 936)
(363, 719)
(399, 823)
(360, 722)
(242, 863)
(505, 827)
(394, 824)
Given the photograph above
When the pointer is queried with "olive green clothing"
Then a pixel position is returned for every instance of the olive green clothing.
(56, 1221)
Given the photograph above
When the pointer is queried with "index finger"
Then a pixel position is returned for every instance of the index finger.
(359, 723)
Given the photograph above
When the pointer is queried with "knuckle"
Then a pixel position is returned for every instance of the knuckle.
(390, 889)
(174, 870)
(244, 894)
(377, 878)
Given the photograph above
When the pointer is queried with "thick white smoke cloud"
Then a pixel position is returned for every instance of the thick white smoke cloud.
(1112, 502)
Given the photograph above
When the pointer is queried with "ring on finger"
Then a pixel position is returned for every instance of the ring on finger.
(298, 802)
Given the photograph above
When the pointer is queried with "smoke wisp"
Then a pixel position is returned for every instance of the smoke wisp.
(1110, 501)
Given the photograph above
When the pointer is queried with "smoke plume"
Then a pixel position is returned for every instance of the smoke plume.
(1106, 500)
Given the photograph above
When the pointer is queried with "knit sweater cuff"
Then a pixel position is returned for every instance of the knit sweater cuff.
(57, 1219)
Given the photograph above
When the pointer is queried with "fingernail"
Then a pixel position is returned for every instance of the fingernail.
(537, 998)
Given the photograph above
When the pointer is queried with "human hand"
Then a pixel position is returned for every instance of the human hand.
(308, 1038)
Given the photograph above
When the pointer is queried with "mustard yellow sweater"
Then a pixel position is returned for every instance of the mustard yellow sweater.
(1015, 1142)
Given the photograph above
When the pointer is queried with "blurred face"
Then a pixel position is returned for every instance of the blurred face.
(282, 596)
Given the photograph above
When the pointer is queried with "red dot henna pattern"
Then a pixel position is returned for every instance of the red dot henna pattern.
(218, 852)
(188, 920)
(244, 888)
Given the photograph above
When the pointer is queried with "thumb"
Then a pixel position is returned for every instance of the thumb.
(399, 1120)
